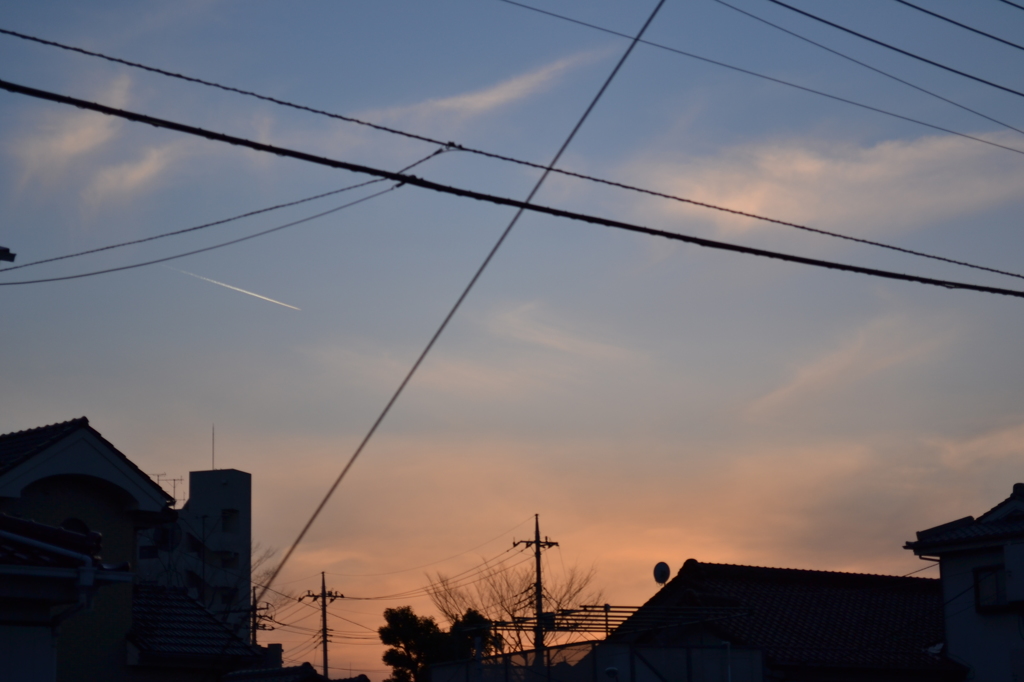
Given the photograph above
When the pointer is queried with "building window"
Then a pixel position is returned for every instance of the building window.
(229, 520)
(229, 560)
(990, 588)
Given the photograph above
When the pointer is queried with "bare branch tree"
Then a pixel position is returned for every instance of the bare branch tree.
(507, 594)
(261, 569)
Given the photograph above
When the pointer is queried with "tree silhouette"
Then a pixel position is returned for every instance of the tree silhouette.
(508, 595)
(417, 642)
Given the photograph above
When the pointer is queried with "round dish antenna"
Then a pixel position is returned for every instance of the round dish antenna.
(661, 573)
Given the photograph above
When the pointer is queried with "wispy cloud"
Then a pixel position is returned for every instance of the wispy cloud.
(485, 99)
(881, 344)
(63, 136)
(876, 188)
(524, 323)
(131, 176)
(996, 445)
(243, 291)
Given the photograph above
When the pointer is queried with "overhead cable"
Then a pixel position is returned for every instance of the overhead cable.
(433, 563)
(154, 261)
(186, 230)
(455, 582)
(790, 84)
(900, 50)
(402, 178)
(868, 66)
(458, 302)
(1012, 4)
(589, 178)
(957, 23)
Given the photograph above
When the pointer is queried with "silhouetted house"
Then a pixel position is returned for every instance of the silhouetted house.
(68, 475)
(47, 575)
(800, 624)
(715, 622)
(982, 567)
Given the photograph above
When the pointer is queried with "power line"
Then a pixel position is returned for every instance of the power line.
(868, 66)
(957, 23)
(458, 302)
(901, 51)
(500, 157)
(453, 145)
(433, 563)
(790, 84)
(202, 250)
(932, 565)
(187, 229)
(456, 582)
(491, 198)
(1012, 4)
(216, 222)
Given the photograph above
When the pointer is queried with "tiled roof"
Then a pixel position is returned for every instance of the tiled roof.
(1017, 494)
(19, 553)
(166, 622)
(817, 618)
(1004, 521)
(976, 531)
(19, 446)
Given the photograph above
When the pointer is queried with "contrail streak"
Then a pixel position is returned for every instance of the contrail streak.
(213, 281)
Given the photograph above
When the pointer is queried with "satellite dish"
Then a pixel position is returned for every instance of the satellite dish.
(661, 573)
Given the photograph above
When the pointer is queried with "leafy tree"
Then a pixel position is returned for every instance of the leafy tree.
(465, 632)
(417, 642)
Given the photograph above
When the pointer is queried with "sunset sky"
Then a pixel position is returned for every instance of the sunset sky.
(651, 400)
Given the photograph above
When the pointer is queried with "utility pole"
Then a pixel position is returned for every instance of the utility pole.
(538, 545)
(323, 597)
(256, 616)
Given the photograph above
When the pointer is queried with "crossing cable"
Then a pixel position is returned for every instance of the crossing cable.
(458, 302)
(425, 591)
(897, 49)
(402, 179)
(957, 23)
(218, 222)
(868, 66)
(433, 563)
(1012, 4)
(788, 83)
(458, 147)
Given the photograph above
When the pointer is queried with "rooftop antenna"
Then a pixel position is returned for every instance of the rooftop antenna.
(213, 446)
(174, 487)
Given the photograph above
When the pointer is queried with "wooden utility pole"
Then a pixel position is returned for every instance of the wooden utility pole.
(323, 597)
(256, 615)
(538, 586)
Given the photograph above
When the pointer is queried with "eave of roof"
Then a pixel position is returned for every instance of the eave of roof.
(20, 446)
(1003, 522)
